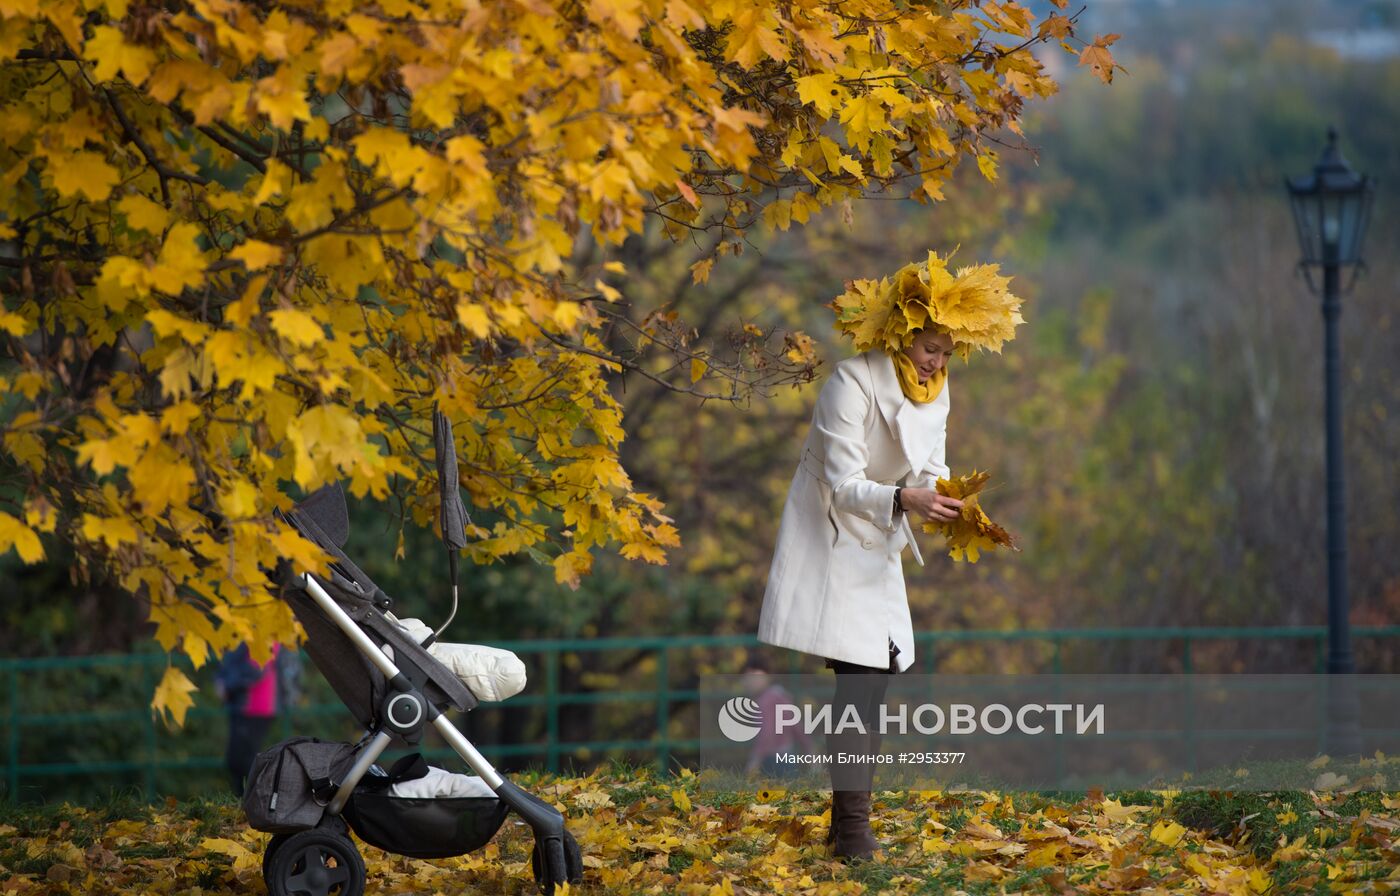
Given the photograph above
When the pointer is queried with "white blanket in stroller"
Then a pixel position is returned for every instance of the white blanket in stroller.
(490, 673)
(439, 783)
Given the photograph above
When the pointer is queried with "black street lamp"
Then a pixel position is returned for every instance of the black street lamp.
(1331, 207)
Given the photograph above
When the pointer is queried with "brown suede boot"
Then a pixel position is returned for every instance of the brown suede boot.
(849, 833)
(851, 825)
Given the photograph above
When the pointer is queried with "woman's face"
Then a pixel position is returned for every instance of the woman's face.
(929, 351)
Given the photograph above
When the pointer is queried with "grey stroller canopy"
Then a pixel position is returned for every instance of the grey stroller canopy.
(323, 519)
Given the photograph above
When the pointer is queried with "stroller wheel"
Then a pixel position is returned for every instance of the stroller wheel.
(555, 863)
(315, 863)
(272, 846)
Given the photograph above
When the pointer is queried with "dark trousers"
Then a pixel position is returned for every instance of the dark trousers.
(861, 687)
(245, 737)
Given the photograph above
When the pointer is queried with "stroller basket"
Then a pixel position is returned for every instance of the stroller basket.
(424, 828)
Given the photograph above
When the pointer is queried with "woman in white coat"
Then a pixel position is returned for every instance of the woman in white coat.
(836, 583)
(872, 457)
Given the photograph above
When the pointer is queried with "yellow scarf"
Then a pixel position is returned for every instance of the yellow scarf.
(909, 379)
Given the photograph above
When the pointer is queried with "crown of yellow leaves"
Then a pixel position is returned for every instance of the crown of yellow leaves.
(972, 305)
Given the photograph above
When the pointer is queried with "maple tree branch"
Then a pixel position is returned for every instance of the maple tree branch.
(244, 138)
(227, 144)
(359, 209)
(132, 134)
(528, 399)
(46, 56)
(641, 409)
(628, 365)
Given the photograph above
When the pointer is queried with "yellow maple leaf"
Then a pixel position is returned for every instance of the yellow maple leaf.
(987, 164)
(163, 323)
(160, 482)
(144, 213)
(863, 116)
(239, 500)
(1168, 832)
(275, 182)
(1197, 865)
(700, 271)
(643, 550)
(177, 418)
(85, 173)
(296, 326)
(570, 566)
(473, 316)
(112, 531)
(105, 455)
(255, 254)
(180, 264)
(1116, 811)
(823, 91)
(863, 311)
(1295, 849)
(172, 697)
(15, 534)
(14, 324)
(328, 431)
(566, 314)
(680, 800)
(112, 54)
(983, 871)
(282, 98)
(753, 37)
(244, 858)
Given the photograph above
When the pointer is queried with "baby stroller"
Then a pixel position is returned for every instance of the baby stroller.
(392, 684)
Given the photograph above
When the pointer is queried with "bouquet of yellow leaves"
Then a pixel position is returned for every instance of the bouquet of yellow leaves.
(973, 531)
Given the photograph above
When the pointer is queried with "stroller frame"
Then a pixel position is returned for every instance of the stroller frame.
(415, 691)
(407, 699)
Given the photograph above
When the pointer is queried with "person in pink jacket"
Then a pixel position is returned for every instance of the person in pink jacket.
(764, 750)
(249, 691)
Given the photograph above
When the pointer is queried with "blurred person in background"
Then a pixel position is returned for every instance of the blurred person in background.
(250, 693)
(769, 742)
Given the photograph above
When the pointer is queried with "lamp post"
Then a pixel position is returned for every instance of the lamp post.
(1331, 207)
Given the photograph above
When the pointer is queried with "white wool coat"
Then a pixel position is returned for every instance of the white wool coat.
(836, 582)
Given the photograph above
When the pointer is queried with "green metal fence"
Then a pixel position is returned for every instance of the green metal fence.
(34, 715)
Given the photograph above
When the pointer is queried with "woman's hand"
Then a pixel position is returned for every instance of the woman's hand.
(930, 503)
